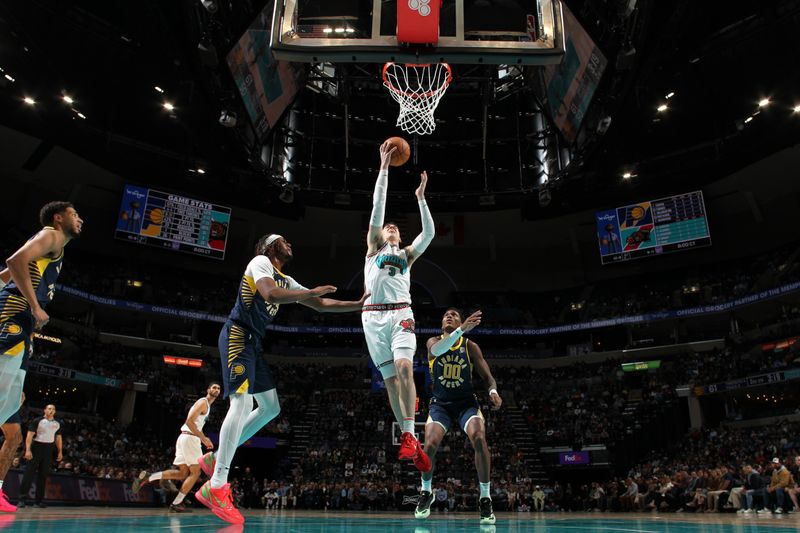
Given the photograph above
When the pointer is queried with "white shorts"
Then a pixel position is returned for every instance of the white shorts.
(187, 450)
(390, 336)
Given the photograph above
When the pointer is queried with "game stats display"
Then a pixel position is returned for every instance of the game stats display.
(165, 220)
(652, 228)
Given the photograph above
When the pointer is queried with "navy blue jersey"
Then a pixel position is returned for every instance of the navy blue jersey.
(452, 373)
(44, 272)
(251, 311)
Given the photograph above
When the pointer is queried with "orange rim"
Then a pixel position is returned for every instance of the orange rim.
(414, 95)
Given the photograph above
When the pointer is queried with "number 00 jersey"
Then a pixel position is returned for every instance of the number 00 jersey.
(451, 373)
(251, 311)
(387, 276)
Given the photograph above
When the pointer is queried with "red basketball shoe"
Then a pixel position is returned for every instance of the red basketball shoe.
(208, 463)
(220, 502)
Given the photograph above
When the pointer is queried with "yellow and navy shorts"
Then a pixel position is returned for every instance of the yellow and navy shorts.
(461, 411)
(15, 339)
(244, 368)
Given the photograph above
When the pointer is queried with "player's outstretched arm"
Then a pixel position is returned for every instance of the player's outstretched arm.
(422, 240)
(379, 199)
(273, 294)
(445, 343)
(329, 305)
(483, 370)
(43, 244)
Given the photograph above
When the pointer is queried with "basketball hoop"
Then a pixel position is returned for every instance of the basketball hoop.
(418, 89)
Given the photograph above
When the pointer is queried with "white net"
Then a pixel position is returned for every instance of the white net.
(418, 89)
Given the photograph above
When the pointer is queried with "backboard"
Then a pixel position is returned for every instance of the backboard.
(499, 32)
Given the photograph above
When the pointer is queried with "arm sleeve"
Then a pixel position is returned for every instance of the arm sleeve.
(260, 267)
(60, 427)
(422, 241)
(379, 199)
(34, 425)
(442, 345)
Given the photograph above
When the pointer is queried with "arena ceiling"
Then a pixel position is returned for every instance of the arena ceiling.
(108, 57)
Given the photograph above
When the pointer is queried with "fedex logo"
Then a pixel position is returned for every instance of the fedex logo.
(573, 458)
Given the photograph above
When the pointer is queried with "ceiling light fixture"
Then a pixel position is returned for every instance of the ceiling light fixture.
(670, 95)
(67, 99)
(9, 78)
(81, 115)
(201, 170)
(627, 175)
(748, 119)
(158, 89)
(662, 108)
(28, 100)
(339, 30)
(764, 102)
(796, 108)
(169, 107)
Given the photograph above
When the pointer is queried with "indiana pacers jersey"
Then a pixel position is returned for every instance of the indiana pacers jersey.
(200, 421)
(452, 373)
(44, 273)
(387, 276)
(251, 311)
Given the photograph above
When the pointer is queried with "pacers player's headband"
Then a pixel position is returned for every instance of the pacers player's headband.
(271, 239)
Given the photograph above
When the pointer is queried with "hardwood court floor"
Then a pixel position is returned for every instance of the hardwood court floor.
(91, 519)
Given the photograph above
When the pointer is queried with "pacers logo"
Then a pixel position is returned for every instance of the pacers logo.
(421, 6)
(452, 368)
(9, 330)
(237, 370)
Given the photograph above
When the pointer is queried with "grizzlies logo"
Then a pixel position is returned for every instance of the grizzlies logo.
(237, 370)
(407, 325)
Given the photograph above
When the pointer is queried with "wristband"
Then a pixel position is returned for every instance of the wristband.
(493, 391)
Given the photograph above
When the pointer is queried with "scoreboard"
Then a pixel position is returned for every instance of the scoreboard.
(652, 228)
(174, 222)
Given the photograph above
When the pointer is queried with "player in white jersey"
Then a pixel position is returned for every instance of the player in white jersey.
(387, 318)
(187, 451)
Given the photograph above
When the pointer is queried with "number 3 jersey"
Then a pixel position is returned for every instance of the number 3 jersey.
(451, 373)
(387, 276)
(251, 311)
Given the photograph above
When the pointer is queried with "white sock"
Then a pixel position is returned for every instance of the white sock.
(408, 425)
(1, 484)
(485, 490)
(179, 498)
(426, 484)
(155, 477)
(238, 411)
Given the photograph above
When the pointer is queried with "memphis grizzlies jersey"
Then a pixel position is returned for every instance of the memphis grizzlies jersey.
(200, 421)
(387, 276)
(251, 311)
(44, 273)
(451, 373)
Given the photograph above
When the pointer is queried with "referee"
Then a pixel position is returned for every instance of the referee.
(44, 437)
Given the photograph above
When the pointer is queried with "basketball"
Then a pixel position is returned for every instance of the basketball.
(403, 152)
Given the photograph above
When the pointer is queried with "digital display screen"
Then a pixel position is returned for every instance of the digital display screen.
(652, 228)
(641, 365)
(573, 458)
(171, 221)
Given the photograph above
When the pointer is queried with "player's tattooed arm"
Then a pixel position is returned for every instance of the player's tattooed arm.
(273, 294)
(483, 370)
(329, 305)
